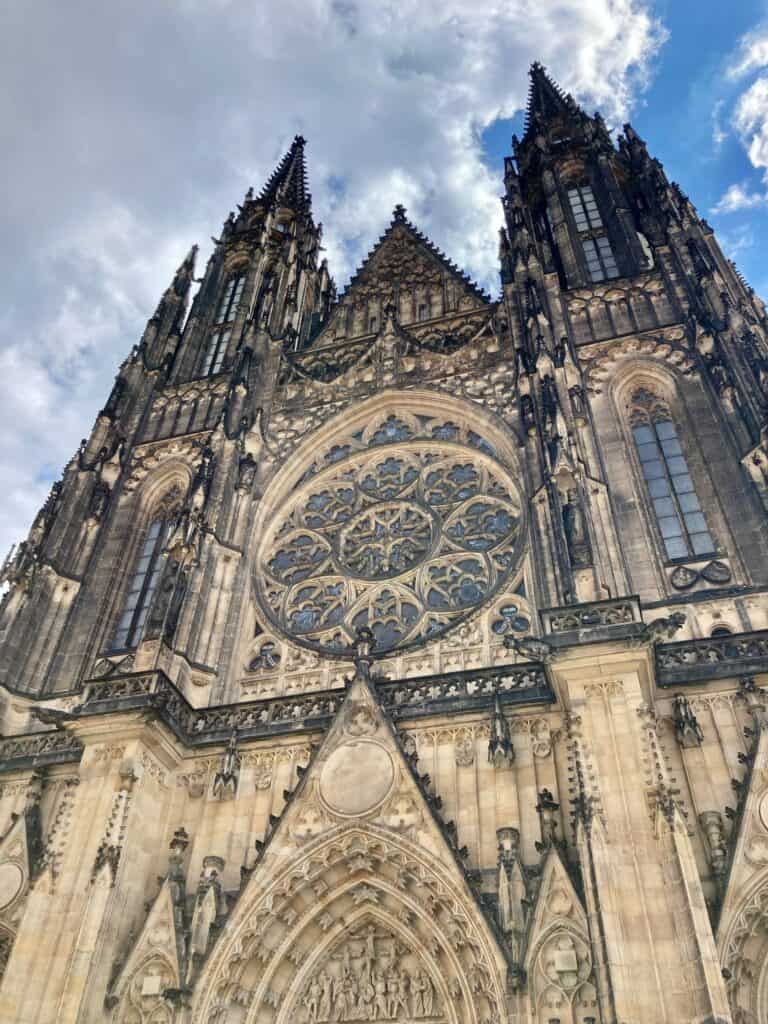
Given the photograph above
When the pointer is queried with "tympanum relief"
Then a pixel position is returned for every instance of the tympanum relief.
(371, 976)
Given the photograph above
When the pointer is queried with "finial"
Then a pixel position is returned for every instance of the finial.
(398, 214)
(299, 140)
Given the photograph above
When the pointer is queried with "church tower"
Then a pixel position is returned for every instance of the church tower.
(401, 654)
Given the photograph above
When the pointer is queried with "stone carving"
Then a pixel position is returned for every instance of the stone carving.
(687, 728)
(565, 961)
(752, 647)
(609, 613)
(359, 720)
(464, 752)
(501, 753)
(684, 577)
(370, 976)
(712, 823)
(226, 778)
(575, 527)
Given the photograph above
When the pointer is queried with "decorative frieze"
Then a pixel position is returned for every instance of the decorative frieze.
(722, 657)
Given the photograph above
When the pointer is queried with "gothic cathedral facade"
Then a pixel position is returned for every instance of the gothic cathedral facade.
(402, 654)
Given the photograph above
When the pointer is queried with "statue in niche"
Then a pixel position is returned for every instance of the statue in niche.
(98, 502)
(575, 526)
(266, 299)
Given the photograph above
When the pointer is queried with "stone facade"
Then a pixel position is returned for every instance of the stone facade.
(401, 655)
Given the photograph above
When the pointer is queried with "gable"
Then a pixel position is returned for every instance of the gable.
(407, 274)
(356, 882)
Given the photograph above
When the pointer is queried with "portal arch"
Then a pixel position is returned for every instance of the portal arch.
(429, 938)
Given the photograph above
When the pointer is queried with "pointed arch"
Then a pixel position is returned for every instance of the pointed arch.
(661, 470)
(282, 928)
(159, 499)
(743, 949)
(140, 994)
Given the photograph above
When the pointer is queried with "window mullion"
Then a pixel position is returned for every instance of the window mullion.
(672, 491)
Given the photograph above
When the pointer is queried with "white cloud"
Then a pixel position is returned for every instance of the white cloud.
(751, 122)
(738, 197)
(719, 134)
(752, 53)
(131, 130)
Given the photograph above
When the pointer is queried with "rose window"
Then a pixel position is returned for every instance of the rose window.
(405, 542)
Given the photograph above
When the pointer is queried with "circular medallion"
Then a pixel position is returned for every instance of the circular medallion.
(763, 810)
(406, 542)
(356, 778)
(11, 881)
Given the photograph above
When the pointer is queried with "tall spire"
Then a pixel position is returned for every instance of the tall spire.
(545, 98)
(288, 184)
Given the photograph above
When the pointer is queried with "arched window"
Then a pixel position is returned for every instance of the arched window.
(216, 344)
(141, 586)
(721, 631)
(230, 298)
(676, 506)
(595, 244)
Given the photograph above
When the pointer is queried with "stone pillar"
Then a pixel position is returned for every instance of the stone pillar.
(644, 898)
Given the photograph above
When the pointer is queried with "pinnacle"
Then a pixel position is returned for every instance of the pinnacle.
(287, 185)
(545, 97)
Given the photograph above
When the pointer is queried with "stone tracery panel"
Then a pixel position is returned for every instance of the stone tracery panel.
(407, 528)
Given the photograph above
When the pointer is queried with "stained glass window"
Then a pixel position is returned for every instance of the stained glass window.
(215, 350)
(215, 347)
(141, 587)
(595, 244)
(406, 542)
(230, 299)
(676, 505)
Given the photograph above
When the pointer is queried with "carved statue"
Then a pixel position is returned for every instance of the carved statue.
(575, 526)
(370, 977)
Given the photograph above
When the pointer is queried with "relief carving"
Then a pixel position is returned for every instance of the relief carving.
(370, 976)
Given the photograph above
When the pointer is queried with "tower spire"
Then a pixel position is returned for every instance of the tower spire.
(287, 186)
(546, 99)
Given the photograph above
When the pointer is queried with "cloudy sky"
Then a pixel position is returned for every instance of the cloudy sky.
(130, 128)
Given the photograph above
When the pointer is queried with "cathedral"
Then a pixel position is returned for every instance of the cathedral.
(401, 654)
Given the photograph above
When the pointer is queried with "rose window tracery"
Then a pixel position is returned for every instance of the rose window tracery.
(406, 541)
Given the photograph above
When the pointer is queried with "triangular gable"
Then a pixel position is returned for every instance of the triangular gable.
(403, 239)
(558, 958)
(403, 258)
(16, 865)
(161, 942)
(749, 845)
(360, 772)
(557, 905)
(358, 869)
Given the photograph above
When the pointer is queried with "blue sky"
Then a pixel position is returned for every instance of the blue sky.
(130, 129)
(686, 116)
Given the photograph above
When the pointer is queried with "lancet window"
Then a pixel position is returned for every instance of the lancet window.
(595, 244)
(142, 586)
(230, 299)
(671, 490)
(216, 344)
